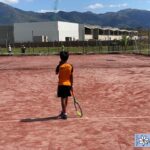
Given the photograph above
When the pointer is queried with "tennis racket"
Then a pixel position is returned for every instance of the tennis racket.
(77, 105)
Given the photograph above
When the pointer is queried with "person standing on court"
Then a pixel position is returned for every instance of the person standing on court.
(64, 71)
(9, 49)
(23, 49)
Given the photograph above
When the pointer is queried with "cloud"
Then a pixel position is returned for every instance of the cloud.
(47, 10)
(10, 1)
(100, 5)
(95, 6)
(44, 11)
(118, 5)
(14, 1)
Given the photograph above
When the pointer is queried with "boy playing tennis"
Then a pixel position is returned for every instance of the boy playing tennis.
(65, 83)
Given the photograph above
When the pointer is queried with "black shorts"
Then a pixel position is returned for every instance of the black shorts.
(63, 91)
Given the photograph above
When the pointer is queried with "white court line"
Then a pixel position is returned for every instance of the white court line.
(83, 118)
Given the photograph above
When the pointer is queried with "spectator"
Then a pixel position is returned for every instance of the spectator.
(9, 49)
(23, 49)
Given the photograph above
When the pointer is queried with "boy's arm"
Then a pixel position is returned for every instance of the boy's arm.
(71, 78)
(57, 68)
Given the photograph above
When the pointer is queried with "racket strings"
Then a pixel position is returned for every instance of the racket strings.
(78, 109)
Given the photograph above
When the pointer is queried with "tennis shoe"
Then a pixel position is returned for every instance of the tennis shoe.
(60, 115)
(64, 116)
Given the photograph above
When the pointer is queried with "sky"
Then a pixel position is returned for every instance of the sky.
(95, 6)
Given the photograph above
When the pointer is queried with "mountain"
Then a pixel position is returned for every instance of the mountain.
(127, 18)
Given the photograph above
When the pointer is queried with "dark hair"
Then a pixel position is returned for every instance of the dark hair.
(64, 55)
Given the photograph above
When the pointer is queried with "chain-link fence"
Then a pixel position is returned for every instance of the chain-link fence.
(140, 46)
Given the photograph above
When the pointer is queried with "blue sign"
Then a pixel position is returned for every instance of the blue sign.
(142, 140)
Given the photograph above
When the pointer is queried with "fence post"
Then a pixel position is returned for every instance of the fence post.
(83, 48)
(148, 42)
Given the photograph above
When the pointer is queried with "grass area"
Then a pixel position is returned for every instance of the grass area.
(78, 50)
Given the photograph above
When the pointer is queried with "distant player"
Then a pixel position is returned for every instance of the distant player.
(9, 49)
(65, 83)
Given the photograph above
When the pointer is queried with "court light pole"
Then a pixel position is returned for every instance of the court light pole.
(55, 10)
(32, 36)
(7, 40)
(33, 40)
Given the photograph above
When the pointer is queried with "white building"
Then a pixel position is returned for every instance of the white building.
(93, 32)
(55, 31)
(67, 31)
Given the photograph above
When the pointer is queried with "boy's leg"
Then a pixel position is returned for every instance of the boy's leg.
(64, 103)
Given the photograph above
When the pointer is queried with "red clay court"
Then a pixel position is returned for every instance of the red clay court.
(113, 90)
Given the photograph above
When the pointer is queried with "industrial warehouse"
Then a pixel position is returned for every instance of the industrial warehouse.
(59, 31)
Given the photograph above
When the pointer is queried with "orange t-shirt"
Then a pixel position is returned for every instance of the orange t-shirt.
(65, 72)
